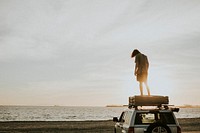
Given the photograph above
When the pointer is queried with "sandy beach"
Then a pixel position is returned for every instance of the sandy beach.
(189, 125)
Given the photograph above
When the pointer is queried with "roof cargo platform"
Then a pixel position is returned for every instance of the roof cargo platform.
(135, 101)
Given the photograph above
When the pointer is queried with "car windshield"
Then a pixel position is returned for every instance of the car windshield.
(153, 117)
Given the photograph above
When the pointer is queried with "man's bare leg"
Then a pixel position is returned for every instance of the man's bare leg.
(148, 91)
(141, 89)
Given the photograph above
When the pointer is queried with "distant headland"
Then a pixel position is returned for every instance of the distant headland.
(181, 106)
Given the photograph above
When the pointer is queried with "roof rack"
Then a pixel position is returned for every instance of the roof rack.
(159, 101)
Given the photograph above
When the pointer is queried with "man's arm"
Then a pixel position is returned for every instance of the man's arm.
(136, 68)
(147, 62)
(135, 72)
(136, 65)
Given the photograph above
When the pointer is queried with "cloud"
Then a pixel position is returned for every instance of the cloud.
(87, 44)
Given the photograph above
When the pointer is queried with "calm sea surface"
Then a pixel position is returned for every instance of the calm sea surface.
(62, 113)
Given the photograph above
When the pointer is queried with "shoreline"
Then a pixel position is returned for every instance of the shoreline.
(187, 125)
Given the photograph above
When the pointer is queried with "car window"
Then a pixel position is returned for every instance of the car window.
(128, 117)
(148, 118)
(144, 118)
(121, 118)
(167, 117)
(125, 117)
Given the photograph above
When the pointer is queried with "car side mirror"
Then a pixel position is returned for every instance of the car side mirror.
(115, 119)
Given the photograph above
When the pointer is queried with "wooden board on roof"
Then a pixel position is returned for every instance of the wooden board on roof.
(148, 100)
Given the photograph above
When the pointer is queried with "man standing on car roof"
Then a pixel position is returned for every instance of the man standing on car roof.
(141, 69)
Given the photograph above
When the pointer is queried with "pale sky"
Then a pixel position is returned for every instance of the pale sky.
(77, 52)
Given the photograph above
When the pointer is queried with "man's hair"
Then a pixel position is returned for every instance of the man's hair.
(134, 53)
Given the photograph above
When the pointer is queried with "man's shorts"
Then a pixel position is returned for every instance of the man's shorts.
(142, 77)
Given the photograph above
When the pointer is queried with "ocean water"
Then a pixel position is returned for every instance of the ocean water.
(67, 113)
